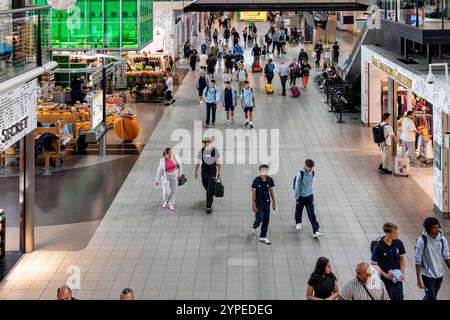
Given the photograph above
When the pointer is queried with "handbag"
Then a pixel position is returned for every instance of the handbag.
(219, 189)
(182, 180)
(298, 73)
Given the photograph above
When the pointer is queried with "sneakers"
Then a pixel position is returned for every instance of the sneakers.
(298, 226)
(317, 234)
(246, 124)
(168, 104)
(208, 210)
(173, 101)
(228, 123)
(207, 125)
(200, 102)
(253, 231)
(164, 204)
(250, 126)
(265, 240)
(171, 207)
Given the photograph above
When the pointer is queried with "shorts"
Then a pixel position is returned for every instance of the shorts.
(248, 109)
(229, 108)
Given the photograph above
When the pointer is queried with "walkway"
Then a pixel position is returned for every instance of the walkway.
(190, 255)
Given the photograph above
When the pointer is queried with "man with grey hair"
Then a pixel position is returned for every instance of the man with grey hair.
(64, 293)
(366, 285)
(283, 71)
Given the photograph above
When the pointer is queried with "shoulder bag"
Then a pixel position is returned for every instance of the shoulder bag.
(219, 189)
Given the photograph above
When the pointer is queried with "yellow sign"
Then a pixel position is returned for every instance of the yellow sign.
(392, 72)
(253, 16)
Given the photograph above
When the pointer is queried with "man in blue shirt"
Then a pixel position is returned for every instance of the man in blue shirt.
(248, 104)
(388, 257)
(431, 247)
(304, 197)
(211, 96)
(262, 192)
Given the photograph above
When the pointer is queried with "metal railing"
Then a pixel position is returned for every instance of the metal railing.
(24, 40)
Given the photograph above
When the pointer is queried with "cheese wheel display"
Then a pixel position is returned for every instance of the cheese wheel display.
(130, 128)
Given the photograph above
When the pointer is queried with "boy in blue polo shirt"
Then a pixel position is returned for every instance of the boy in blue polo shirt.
(262, 192)
(248, 104)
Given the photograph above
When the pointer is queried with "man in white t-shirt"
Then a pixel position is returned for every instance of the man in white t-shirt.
(386, 146)
(242, 76)
(408, 136)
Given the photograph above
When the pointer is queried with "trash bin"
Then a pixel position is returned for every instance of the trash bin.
(2, 233)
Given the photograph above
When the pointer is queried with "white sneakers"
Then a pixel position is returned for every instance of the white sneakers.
(164, 204)
(200, 102)
(317, 234)
(253, 231)
(171, 207)
(168, 206)
(298, 226)
(265, 240)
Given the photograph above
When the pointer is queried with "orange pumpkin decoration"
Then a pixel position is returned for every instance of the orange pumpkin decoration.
(130, 128)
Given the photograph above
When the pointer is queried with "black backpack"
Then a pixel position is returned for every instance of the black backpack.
(378, 133)
(80, 146)
(374, 244)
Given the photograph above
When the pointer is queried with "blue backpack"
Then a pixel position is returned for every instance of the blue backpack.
(270, 68)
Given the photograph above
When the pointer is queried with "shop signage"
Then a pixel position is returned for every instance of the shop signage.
(97, 110)
(254, 16)
(394, 73)
(17, 113)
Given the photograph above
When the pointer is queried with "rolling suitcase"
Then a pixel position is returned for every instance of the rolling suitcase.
(295, 91)
(401, 166)
(268, 88)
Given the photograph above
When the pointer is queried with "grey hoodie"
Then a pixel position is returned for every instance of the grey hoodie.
(431, 258)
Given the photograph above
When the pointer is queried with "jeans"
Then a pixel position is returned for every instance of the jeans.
(262, 217)
(283, 84)
(410, 147)
(209, 182)
(394, 290)
(210, 108)
(307, 202)
(292, 80)
(432, 286)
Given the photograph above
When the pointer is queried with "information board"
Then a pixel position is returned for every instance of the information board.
(18, 115)
(253, 16)
(97, 110)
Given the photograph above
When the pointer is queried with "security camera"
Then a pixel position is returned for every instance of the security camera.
(431, 78)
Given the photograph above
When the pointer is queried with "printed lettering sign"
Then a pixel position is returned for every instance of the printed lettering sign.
(17, 113)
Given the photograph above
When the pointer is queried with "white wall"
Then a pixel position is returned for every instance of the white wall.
(163, 32)
(4, 4)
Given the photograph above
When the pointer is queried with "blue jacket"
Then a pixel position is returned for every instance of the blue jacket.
(431, 258)
(236, 49)
(197, 81)
(303, 186)
(211, 95)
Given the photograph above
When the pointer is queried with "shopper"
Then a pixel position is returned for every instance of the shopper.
(408, 137)
(229, 61)
(302, 56)
(365, 287)
(76, 93)
(305, 68)
(388, 258)
(210, 161)
(212, 96)
(248, 104)
(294, 72)
(201, 82)
(276, 41)
(227, 77)
(169, 172)
(322, 284)
(127, 294)
(238, 59)
(226, 35)
(187, 52)
(303, 188)
(211, 66)
(283, 72)
(430, 248)
(64, 293)
(318, 49)
(203, 58)
(269, 71)
(215, 51)
(236, 37)
(262, 193)
(216, 35)
(256, 53)
(242, 76)
(193, 58)
(169, 84)
(335, 53)
(386, 146)
(245, 35)
(229, 101)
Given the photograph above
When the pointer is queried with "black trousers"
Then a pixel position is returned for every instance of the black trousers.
(394, 290)
(307, 202)
(211, 109)
(209, 182)
(432, 286)
(269, 77)
(262, 217)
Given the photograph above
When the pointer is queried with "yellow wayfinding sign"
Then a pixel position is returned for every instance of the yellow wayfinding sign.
(253, 16)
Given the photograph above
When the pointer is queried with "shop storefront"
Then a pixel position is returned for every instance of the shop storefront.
(389, 86)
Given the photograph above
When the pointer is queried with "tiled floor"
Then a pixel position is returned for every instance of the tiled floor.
(190, 255)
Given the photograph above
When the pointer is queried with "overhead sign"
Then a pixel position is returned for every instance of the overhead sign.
(392, 72)
(17, 113)
(253, 16)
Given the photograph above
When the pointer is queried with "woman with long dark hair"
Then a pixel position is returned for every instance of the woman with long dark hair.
(322, 284)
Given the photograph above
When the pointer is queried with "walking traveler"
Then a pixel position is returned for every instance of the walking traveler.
(366, 286)
(201, 82)
(229, 61)
(386, 146)
(302, 56)
(215, 51)
(269, 70)
(236, 37)
(203, 58)
(169, 171)
(303, 188)
(245, 35)
(283, 72)
(322, 284)
(211, 66)
(229, 101)
(242, 76)
(186, 52)
(408, 137)
(318, 49)
(388, 258)
(335, 53)
(193, 58)
(169, 84)
(247, 95)
(216, 35)
(262, 193)
(305, 68)
(212, 96)
(431, 247)
(227, 77)
(294, 72)
(226, 35)
(209, 159)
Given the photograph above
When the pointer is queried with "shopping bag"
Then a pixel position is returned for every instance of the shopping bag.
(219, 189)
(182, 180)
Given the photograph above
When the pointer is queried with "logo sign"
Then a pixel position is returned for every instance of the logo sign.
(8, 133)
(392, 72)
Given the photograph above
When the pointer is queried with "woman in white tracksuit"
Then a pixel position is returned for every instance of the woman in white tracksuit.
(169, 171)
